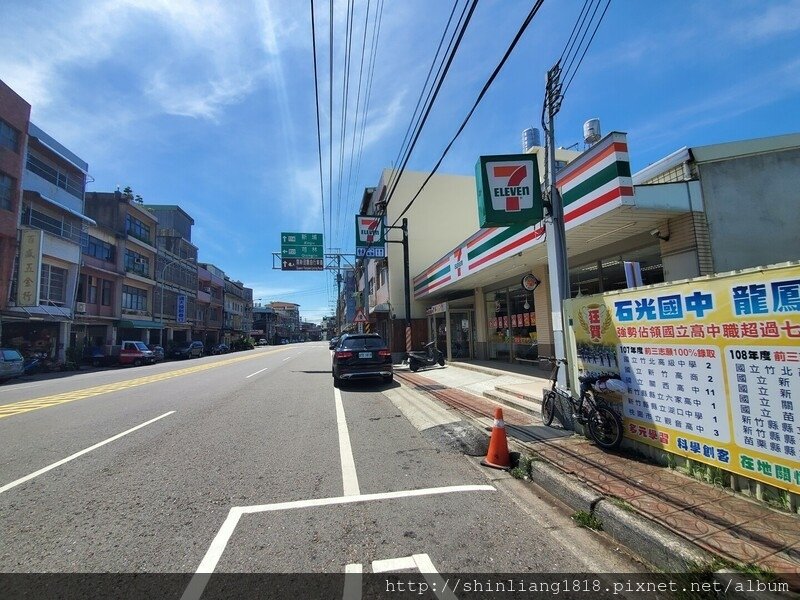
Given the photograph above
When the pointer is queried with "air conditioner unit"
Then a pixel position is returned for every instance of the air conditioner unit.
(80, 307)
(140, 261)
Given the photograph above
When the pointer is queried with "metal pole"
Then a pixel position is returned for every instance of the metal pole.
(407, 277)
(556, 233)
(161, 314)
(338, 293)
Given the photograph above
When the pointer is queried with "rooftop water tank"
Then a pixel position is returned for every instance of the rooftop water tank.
(530, 138)
(591, 131)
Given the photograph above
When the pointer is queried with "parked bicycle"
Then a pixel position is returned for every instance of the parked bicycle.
(590, 409)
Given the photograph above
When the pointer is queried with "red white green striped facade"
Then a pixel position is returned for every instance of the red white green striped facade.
(598, 181)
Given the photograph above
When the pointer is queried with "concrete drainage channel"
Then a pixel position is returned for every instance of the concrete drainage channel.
(656, 545)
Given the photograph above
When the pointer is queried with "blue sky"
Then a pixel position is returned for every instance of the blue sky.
(210, 105)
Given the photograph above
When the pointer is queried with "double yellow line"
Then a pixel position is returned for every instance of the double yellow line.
(23, 406)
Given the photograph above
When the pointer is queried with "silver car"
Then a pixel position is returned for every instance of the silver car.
(11, 364)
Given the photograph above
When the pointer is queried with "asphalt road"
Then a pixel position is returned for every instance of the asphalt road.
(305, 478)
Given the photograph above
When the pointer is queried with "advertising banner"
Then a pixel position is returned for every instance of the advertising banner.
(712, 367)
(30, 267)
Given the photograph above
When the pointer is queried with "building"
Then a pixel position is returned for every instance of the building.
(264, 323)
(234, 312)
(40, 308)
(116, 293)
(14, 118)
(287, 326)
(678, 218)
(210, 304)
(176, 273)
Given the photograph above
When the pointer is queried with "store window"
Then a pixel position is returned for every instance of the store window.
(512, 325)
(53, 286)
(608, 274)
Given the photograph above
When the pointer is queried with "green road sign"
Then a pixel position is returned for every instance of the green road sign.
(301, 239)
(301, 251)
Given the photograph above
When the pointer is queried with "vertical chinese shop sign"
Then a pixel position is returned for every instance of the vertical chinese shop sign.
(30, 267)
(712, 367)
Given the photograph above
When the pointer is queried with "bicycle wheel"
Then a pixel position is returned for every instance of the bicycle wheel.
(548, 408)
(605, 427)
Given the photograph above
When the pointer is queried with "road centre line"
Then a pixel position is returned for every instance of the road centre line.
(349, 475)
(23, 406)
(199, 580)
(256, 373)
(22, 480)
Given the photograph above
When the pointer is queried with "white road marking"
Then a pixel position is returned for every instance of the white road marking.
(389, 565)
(353, 581)
(287, 358)
(22, 480)
(256, 373)
(349, 476)
(425, 566)
(199, 580)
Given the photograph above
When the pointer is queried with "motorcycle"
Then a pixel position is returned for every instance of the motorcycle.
(431, 356)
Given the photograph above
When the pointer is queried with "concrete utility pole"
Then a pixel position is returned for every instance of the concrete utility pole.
(555, 229)
(338, 293)
(406, 277)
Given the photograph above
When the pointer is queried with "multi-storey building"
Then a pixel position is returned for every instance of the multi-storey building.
(14, 118)
(40, 309)
(118, 273)
(234, 310)
(176, 272)
(288, 321)
(208, 325)
(247, 317)
(264, 323)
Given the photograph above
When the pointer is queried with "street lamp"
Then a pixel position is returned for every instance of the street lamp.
(161, 315)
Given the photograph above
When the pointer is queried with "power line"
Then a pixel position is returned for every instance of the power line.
(576, 28)
(583, 37)
(414, 116)
(596, 27)
(330, 127)
(486, 86)
(316, 99)
(433, 98)
(345, 101)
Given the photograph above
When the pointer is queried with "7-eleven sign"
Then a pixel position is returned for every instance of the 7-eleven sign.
(509, 190)
(370, 240)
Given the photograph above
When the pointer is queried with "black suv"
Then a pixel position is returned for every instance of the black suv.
(188, 350)
(362, 355)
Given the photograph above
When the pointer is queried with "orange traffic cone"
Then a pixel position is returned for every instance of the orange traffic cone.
(497, 456)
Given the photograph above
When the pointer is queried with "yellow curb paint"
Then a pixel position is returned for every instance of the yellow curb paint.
(23, 406)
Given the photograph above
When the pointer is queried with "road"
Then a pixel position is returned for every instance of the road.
(253, 462)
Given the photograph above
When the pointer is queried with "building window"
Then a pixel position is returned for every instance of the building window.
(106, 293)
(134, 298)
(7, 186)
(137, 263)
(9, 137)
(63, 229)
(66, 181)
(53, 288)
(92, 297)
(608, 274)
(135, 228)
(97, 248)
(383, 275)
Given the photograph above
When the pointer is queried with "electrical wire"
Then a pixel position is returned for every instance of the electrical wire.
(482, 93)
(589, 43)
(345, 101)
(330, 127)
(438, 87)
(316, 99)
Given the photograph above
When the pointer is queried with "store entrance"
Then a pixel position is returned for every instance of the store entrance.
(461, 334)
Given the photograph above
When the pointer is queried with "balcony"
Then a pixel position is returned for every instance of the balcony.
(62, 229)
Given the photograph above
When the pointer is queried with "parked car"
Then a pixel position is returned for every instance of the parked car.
(11, 364)
(219, 349)
(158, 352)
(188, 350)
(362, 355)
(261, 342)
(333, 342)
(135, 353)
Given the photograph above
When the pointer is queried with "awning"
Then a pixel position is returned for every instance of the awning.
(137, 324)
(65, 208)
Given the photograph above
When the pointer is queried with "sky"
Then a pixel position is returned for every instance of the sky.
(210, 104)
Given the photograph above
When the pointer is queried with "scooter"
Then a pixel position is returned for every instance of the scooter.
(428, 358)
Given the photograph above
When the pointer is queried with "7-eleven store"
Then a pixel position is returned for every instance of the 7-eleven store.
(477, 306)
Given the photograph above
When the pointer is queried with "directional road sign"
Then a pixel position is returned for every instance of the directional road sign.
(302, 252)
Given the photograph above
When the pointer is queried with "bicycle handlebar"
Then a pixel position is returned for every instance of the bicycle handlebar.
(553, 359)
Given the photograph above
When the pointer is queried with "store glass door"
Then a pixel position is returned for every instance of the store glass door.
(460, 334)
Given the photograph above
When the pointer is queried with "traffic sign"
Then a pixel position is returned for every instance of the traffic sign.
(302, 252)
(360, 318)
(302, 264)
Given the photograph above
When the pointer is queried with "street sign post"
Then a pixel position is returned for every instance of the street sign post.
(302, 252)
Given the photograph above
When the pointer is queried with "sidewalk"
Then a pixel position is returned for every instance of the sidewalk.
(704, 521)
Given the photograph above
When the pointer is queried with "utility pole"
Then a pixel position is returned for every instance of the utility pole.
(555, 229)
(406, 277)
(338, 293)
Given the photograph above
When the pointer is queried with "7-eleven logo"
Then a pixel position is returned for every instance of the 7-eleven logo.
(510, 185)
(369, 229)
